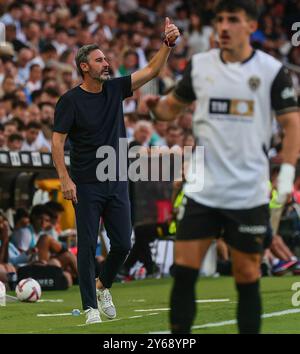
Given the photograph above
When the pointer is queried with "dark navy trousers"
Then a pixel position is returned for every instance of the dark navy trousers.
(109, 200)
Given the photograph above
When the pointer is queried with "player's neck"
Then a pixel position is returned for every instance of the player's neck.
(92, 85)
(240, 55)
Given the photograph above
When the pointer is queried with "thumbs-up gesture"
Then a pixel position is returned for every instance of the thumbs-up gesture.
(171, 33)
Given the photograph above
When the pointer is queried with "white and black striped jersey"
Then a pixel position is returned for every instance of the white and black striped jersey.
(235, 104)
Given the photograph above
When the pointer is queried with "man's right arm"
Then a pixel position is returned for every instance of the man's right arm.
(68, 187)
(167, 107)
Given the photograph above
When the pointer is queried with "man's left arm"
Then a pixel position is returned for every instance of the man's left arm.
(284, 102)
(140, 77)
(290, 122)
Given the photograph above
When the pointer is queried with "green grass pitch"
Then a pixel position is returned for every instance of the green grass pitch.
(153, 296)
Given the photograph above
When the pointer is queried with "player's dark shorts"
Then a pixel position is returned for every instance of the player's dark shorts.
(243, 229)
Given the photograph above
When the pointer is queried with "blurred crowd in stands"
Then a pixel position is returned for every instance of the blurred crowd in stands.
(37, 66)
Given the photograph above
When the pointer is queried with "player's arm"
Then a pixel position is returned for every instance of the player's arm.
(140, 77)
(284, 102)
(67, 185)
(167, 107)
(290, 122)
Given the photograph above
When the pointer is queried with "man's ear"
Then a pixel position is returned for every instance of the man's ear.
(253, 26)
(84, 67)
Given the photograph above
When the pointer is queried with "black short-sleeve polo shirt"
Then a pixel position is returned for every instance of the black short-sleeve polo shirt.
(92, 120)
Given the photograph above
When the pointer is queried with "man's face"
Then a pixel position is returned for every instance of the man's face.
(15, 145)
(97, 67)
(234, 29)
(47, 114)
(31, 135)
(142, 135)
(36, 73)
(161, 127)
(9, 129)
(173, 137)
(34, 113)
(42, 222)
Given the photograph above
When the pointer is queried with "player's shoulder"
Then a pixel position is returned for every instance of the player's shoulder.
(205, 56)
(267, 61)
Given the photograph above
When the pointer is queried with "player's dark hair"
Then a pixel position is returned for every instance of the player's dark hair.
(83, 54)
(249, 6)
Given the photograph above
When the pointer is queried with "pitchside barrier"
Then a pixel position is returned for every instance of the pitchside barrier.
(22, 173)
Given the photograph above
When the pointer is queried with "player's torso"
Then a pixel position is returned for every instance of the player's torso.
(233, 121)
(233, 98)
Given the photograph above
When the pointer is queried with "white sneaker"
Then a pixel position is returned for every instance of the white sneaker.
(105, 304)
(92, 316)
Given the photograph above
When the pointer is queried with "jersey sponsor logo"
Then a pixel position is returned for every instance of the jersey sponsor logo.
(231, 107)
(288, 92)
(254, 83)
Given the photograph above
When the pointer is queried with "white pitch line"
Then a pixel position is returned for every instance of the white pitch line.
(280, 313)
(54, 314)
(197, 301)
(232, 322)
(150, 310)
(51, 300)
(216, 324)
(10, 298)
(211, 300)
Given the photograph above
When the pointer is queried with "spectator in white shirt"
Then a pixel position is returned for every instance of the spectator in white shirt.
(24, 57)
(61, 40)
(31, 133)
(35, 76)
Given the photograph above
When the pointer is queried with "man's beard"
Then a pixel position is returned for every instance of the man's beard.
(102, 78)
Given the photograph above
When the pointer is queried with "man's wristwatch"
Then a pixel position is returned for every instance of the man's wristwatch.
(170, 45)
(167, 43)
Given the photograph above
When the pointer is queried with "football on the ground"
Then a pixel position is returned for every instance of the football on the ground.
(28, 290)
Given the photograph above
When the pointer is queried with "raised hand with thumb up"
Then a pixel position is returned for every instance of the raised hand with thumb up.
(171, 33)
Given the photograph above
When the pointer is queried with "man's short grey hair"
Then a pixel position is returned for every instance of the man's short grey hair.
(82, 55)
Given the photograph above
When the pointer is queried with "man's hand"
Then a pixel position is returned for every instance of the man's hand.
(171, 33)
(147, 102)
(68, 189)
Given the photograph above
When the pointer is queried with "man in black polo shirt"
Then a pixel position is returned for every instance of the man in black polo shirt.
(91, 116)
